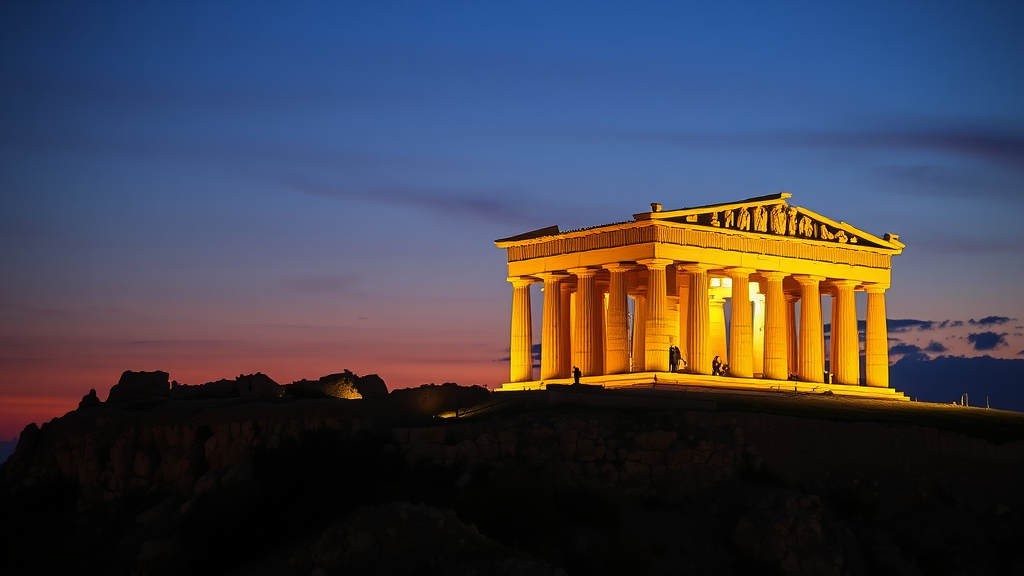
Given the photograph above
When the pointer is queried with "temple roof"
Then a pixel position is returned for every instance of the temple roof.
(768, 215)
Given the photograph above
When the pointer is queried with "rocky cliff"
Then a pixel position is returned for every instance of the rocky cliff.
(452, 480)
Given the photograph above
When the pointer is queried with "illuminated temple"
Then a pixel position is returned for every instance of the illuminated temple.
(617, 296)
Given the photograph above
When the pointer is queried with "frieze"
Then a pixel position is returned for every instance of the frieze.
(778, 219)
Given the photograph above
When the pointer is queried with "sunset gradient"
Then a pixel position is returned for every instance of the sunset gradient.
(213, 189)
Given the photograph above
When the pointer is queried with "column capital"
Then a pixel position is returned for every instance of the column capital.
(583, 272)
(547, 276)
(875, 288)
(521, 280)
(772, 275)
(807, 279)
(844, 282)
(618, 267)
(655, 263)
(792, 297)
(693, 267)
(738, 271)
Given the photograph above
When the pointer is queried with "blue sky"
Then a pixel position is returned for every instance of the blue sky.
(218, 188)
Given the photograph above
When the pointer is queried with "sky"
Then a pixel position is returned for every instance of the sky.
(214, 189)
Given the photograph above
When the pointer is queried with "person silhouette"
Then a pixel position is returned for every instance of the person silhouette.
(716, 366)
(674, 355)
(576, 374)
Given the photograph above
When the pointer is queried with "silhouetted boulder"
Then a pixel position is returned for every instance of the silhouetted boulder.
(258, 384)
(140, 386)
(89, 400)
(372, 386)
(341, 385)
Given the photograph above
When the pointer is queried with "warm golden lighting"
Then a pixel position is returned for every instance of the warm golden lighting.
(675, 270)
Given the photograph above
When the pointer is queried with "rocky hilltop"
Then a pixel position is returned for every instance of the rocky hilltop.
(338, 476)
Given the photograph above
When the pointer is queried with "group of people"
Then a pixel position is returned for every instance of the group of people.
(675, 358)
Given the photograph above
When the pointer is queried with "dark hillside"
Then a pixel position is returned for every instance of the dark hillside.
(456, 480)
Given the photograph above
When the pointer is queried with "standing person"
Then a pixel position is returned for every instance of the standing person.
(576, 374)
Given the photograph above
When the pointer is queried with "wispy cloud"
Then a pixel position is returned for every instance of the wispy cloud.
(991, 321)
(999, 146)
(495, 206)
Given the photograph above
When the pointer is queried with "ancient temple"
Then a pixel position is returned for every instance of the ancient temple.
(617, 296)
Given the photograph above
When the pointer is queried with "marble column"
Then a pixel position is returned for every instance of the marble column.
(683, 290)
(551, 333)
(812, 365)
(639, 332)
(741, 360)
(759, 319)
(792, 344)
(565, 327)
(584, 316)
(698, 324)
(775, 352)
(656, 341)
(599, 320)
(831, 336)
(617, 335)
(521, 353)
(716, 326)
(876, 341)
(844, 333)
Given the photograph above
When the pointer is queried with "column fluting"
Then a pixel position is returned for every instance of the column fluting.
(876, 340)
(844, 331)
(698, 332)
(584, 317)
(812, 365)
(551, 330)
(741, 360)
(617, 335)
(520, 349)
(656, 342)
(775, 351)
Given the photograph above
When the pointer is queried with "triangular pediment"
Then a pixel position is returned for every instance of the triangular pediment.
(772, 215)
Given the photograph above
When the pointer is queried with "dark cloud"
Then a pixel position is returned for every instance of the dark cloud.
(987, 340)
(908, 350)
(1021, 353)
(907, 325)
(935, 347)
(991, 321)
(946, 378)
(956, 323)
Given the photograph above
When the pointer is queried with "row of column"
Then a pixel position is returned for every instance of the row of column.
(599, 328)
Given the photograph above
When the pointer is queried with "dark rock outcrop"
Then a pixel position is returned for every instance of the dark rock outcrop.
(222, 388)
(341, 385)
(89, 400)
(134, 386)
(258, 384)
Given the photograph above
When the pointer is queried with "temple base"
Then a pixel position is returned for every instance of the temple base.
(668, 379)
